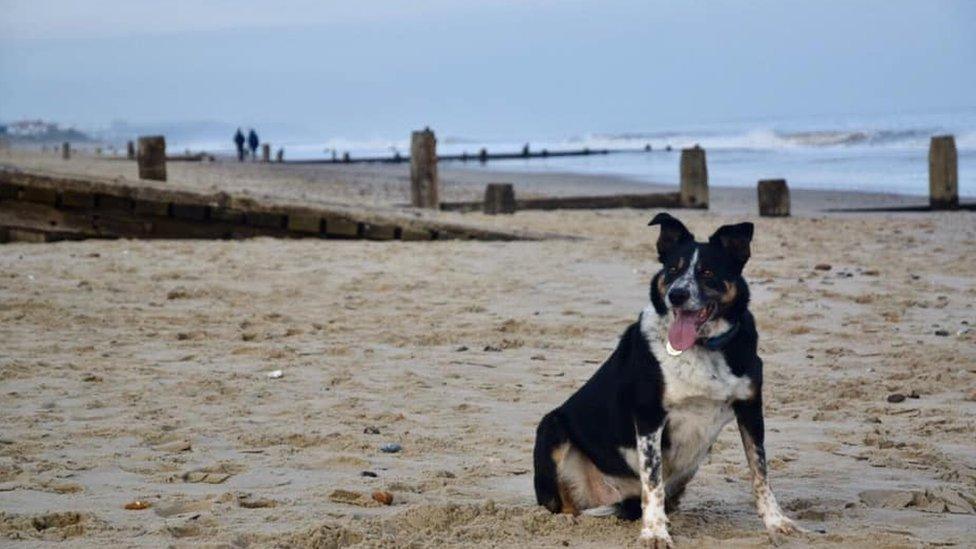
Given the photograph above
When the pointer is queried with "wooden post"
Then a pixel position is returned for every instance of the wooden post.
(424, 192)
(694, 178)
(130, 151)
(943, 173)
(152, 158)
(280, 156)
(499, 199)
(266, 152)
(66, 150)
(774, 198)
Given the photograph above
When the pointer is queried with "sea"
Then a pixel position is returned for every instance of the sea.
(876, 153)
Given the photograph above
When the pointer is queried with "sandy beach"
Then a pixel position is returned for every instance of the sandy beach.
(138, 371)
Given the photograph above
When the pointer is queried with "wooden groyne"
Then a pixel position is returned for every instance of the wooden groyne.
(639, 201)
(44, 207)
(482, 156)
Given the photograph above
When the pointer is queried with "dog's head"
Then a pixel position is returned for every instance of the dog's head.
(700, 290)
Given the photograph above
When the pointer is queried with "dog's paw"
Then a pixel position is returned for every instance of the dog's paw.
(655, 539)
(781, 526)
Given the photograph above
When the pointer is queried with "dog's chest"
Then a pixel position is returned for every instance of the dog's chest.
(698, 391)
(698, 375)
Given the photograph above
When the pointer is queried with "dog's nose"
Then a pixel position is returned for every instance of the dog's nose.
(678, 296)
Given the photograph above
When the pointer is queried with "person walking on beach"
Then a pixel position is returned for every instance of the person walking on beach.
(239, 141)
(252, 143)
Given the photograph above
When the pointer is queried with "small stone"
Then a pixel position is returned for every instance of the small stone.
(255, 503)
(461, 349)
(871, 272)
(895, 398)
(275, 374)
(444, 474)
(350, 498)
(370, 430)
(91, 378)
(137, 505)
(383, 497)
(174, 446)
(538, 357)
(913, 394)
(942, 333)
(178, 293)
(390, 448)
(368, 474)
(822, 267)
(492, 349)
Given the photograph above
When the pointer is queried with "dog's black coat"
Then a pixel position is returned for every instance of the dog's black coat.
(626, 392)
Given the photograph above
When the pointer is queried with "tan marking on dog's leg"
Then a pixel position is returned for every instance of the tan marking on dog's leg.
(559, 454)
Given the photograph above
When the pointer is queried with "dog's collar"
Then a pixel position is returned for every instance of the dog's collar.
(717, 342)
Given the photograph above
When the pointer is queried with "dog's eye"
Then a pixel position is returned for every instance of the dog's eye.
(672, 269)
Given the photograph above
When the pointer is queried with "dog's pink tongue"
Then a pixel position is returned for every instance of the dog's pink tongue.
(683, 331)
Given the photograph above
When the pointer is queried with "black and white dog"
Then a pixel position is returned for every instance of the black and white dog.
(630, 439)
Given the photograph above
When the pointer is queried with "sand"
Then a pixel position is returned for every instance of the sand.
(138, 371)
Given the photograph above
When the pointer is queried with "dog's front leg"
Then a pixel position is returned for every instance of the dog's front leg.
(752, 429)
(654, 522)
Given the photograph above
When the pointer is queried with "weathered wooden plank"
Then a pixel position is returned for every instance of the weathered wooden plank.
(9, 191)
(380, 232)
(39, 195)
(228, 215)
(265, 219)
(195, 212)
(300, 223)
(75, 199)
(341, 227)
(637, 201)
(112, 202)
(151, 208)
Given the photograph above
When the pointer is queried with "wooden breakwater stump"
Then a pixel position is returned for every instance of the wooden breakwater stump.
(152, 158)
(499, 199)
(130, 150)
(66, 150)
(943, 173)
(280, 155)
(774, 198)
(424, 192)
(694, 178)
(265, 152)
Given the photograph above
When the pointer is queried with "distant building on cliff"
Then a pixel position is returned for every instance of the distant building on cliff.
(40, 131)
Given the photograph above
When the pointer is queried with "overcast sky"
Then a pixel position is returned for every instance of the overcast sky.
(481, 68)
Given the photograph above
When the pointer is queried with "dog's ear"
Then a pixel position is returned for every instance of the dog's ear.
(735, 239)
(673, 234)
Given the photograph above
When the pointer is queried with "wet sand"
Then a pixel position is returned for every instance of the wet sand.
(138, 371)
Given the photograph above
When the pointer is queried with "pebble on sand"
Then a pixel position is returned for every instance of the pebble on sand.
(390, 448)
(383, 497)
(137, 505)
(895, 398)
